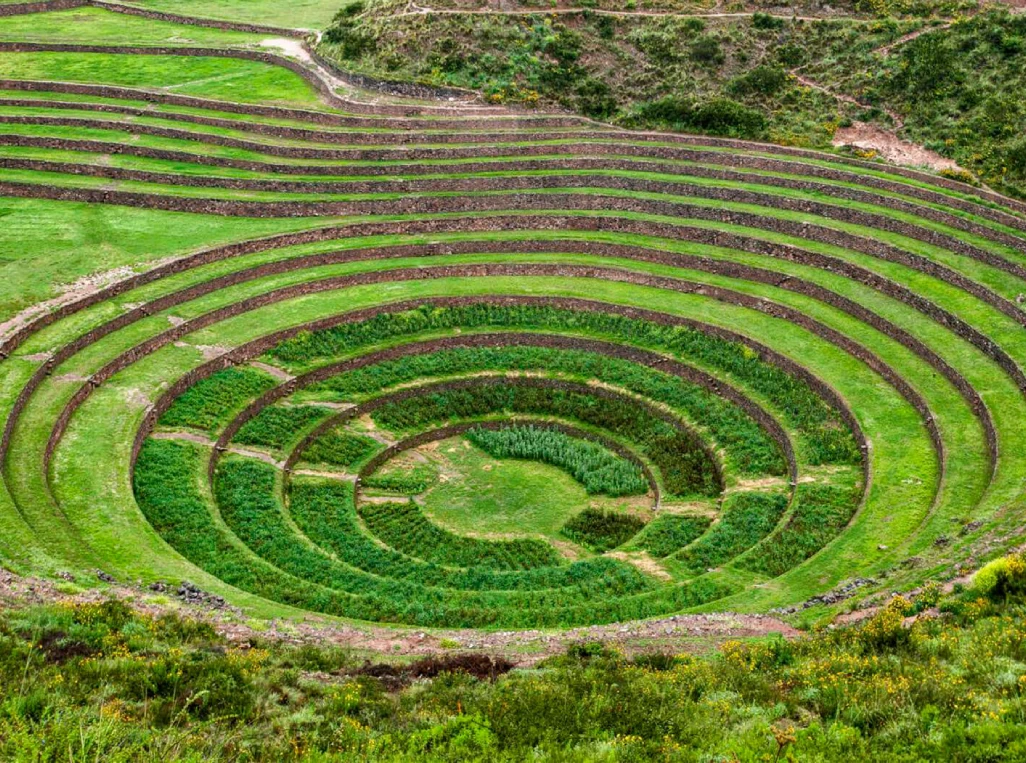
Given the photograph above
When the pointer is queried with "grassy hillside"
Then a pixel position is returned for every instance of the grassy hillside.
(754, 75)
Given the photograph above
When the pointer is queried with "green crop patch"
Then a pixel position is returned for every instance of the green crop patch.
(211, 403)
(745, 519)
(276, 427)
(669, 533)
(602, 530)
(598, 470)
(339, 449)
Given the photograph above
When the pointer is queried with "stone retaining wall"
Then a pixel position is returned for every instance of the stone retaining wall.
(559, 181)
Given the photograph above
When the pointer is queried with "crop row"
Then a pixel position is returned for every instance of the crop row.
(685, 466)
(801, 406)
(164, 479)
(597, 469)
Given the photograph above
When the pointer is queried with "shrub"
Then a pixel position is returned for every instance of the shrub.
(706, 50)
(346, 33)
(1002, 578)
(595, 99)
(211, 403)
(597, 469)
(745, 519)
(602, 530)
(766, 21)
(720, 116)
(886, 630)
(669, 533)
(762, 80)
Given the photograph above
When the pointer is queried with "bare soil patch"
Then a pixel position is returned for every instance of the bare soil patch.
(890, 147)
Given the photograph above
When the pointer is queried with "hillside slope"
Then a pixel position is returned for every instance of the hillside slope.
(946, 76)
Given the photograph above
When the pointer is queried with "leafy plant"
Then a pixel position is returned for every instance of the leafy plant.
(601, 530)
(599, 470)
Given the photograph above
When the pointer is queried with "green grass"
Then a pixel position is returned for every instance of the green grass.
(315, 14)
(95, 26)
(484, 495)
(48, 245)
(220, 78)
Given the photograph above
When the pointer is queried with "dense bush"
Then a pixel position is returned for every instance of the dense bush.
(762, 80)
(212, 402)
(720, 116)
(819, 514)
(745, 519)
(597, 469)
(669, 533)
(347, 36)
(279, 426)
(1002, 578)
(602, 530)
(706, 50)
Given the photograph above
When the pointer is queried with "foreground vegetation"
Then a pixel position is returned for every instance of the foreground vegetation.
(925, 678)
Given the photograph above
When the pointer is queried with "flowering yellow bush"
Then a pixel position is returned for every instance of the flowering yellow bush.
(1002, 577)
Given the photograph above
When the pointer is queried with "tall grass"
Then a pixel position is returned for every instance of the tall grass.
(597, 469)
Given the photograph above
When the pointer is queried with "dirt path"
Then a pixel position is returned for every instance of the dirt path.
(296, 50)
(883, 50)
(67, 293)
(199, 439)
(327, 475)
(185, 436)
(898, 121)
(277, 373)
(690, 633)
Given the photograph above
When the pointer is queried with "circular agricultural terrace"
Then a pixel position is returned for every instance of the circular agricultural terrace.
(533, 372)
